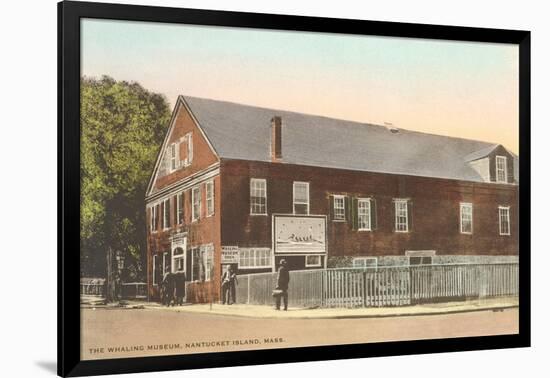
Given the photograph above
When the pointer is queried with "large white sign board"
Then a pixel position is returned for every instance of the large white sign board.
(296, 234)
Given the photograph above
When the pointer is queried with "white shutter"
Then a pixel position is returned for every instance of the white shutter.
(189, 148)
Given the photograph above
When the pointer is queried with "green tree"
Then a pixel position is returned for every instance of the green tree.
(122, 128)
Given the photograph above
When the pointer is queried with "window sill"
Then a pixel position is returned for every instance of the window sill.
(339, 220)
(364, 230)
(401, 232)
(258, 215)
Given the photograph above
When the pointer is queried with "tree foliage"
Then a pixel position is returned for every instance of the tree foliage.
(122, 127)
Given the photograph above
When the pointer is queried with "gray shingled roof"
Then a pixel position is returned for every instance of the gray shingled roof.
(476, 155)
(243, 132)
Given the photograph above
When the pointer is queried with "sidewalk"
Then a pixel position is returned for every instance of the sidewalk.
(255, 311)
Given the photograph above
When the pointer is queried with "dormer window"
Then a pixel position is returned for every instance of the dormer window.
(501, 169)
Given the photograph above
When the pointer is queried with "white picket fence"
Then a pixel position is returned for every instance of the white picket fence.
(96, 288)
(384, 286)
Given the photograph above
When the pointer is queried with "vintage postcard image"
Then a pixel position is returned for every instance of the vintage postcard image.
(247, 189)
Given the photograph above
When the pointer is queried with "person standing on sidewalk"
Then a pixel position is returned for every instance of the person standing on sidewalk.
(233, 285)
(180, 287)
(226, 286)
(283, 278)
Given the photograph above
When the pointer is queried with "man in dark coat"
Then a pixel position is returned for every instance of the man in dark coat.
(283, 278)
(180, 287)
(226, 285)
(167, 289)
(233, 285)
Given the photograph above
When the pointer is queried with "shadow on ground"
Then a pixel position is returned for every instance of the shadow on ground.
(50, 366)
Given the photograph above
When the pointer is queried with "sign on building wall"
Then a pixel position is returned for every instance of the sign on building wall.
(230, 254)
(303, 234)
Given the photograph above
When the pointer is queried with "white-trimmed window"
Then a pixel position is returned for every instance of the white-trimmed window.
(466, 218)
(254, 258)
(401, 215)
(501, 169)
(339, 207)
(174, 158)
(166, 214)
(207, 252)
(504, 220)
(196, 201)
(365, 262)
(185, 150)
(154, 218)
(202, 262)
(179, 208)
(300, 194)
(210, 198)
(258, 196)
(364, 214)
(178, 259)
(155, 273)
(420, 260)
(313, 261)
(165, 265)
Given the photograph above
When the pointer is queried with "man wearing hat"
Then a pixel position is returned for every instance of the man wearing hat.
(282, 284)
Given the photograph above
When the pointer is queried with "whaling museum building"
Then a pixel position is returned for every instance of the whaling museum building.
(248, 186)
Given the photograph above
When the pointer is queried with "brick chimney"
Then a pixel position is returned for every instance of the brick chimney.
(276, 138)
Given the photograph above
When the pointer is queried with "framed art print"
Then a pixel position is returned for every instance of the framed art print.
(241, 188)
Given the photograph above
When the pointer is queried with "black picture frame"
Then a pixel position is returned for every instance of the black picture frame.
(69, 15)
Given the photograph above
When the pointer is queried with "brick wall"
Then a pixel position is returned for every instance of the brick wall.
(435, 210)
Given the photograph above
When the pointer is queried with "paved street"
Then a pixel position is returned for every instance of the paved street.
(112, 332)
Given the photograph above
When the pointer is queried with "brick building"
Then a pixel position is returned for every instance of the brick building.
(242, 185)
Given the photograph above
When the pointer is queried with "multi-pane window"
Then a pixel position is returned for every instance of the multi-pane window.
(209, 198)
(155, 270)
(504, 220)
(154, 218)
(166, 214)
(179, 205)
(196, 264)
(420, 260)
(363, 214)
(202, 263)
(196, 201)
(258, 196)
(185, 150)
(365, 262)
(339, 208)
(501, 171)
(178, 260)
(401, 216)
(165, 264)
(254, 258)
(178, 154)
(466, 218)
(301, 197)
(208, 257)
(313, 261)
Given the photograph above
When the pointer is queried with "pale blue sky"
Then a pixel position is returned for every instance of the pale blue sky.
(453, 88)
